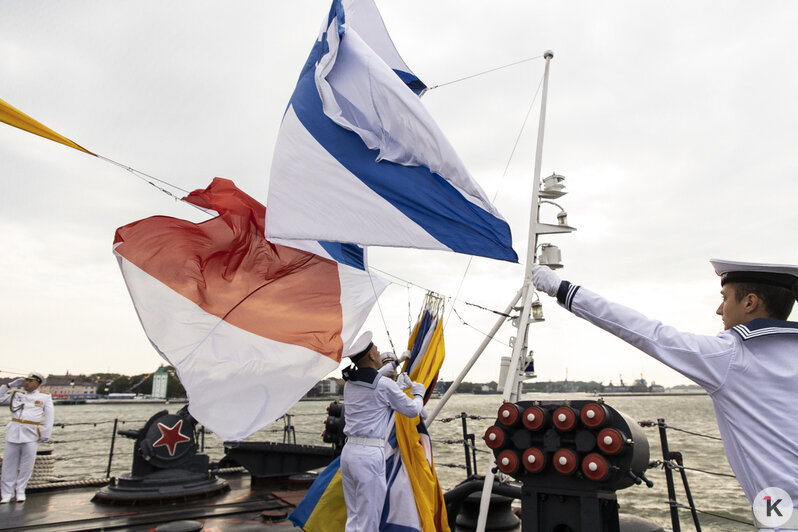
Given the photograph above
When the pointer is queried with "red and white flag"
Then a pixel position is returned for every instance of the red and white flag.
(249, 325)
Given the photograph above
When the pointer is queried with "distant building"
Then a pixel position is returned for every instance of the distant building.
(482, 388)
(160, 381)
(686, 388)
(640, 386)
(504, 367)
(328, 387)
(68, 386)
(125, 396)
(441, 387)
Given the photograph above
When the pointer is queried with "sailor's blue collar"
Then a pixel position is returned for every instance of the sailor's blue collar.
(764, 327)
(362, 376)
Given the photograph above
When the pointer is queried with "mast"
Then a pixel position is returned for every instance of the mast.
(526, 290)
(520, 358)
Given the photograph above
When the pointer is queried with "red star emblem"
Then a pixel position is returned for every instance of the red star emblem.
(171, 436)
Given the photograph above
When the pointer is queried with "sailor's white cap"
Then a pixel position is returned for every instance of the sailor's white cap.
(783, 275)
(360, 347)
(386, 356)
(35, 375)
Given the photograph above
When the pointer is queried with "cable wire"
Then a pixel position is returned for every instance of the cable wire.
(498, 188)
(713, 514)
(382, 314)
(489, 310)
(493, 339)
(144, 176)
(483, 72)
(694, 433)
(405, 281)
(716, 473)
(147, 178)
(408, 284)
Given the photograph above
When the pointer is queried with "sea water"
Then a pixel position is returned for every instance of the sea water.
(81, 447)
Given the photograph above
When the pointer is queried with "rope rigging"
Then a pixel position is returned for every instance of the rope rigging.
(409, 284)
(162, 184)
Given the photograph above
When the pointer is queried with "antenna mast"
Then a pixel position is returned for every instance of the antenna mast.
(531, 308)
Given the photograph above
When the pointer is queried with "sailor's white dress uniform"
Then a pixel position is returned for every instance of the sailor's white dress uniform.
(369, 400)
(31, 422)
(750, 372)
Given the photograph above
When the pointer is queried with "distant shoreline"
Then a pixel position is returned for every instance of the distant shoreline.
(645, 394)
(177, 400)
(585, 394)
(329, 398)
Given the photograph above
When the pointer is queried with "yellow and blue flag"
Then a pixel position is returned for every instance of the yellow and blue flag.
(414, 501)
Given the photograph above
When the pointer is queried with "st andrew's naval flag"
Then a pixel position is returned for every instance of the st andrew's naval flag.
(359, 159)
(249, 325)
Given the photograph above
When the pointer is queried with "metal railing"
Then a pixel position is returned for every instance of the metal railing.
(79, 447)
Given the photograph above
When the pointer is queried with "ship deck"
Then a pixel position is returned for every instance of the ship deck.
(244, 507)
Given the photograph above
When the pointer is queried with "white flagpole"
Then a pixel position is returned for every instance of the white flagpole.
(511, 384)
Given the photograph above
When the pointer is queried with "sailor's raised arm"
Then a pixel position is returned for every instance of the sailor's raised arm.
(399, 400)
(5, 390)
(703, 359)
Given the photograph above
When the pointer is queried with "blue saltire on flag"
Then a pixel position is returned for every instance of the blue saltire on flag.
(359, 159)
(349, 254)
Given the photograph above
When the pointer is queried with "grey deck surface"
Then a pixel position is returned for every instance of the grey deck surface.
(72, 509)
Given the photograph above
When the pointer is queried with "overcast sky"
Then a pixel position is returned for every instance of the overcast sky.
(674, 124)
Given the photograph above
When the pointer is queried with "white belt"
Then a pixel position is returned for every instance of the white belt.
(369, 442)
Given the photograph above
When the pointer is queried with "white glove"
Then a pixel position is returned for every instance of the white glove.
(424, 414)
(44, 440)
(16, 383)
(404, 382)
(546, 280)
(404, 356)
(418, 388)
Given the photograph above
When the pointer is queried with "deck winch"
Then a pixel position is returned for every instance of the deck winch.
(166, 464)
(571, 458)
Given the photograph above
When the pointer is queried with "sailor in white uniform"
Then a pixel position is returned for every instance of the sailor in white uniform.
(390, 363)
(31, 422)
(750, 370)
(369, 400)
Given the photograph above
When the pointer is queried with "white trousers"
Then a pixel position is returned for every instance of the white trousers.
(18, 460)
(363, 478)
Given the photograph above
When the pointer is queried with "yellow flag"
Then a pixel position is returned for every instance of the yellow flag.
(423, 477)
(330, 512)
(14, 117)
